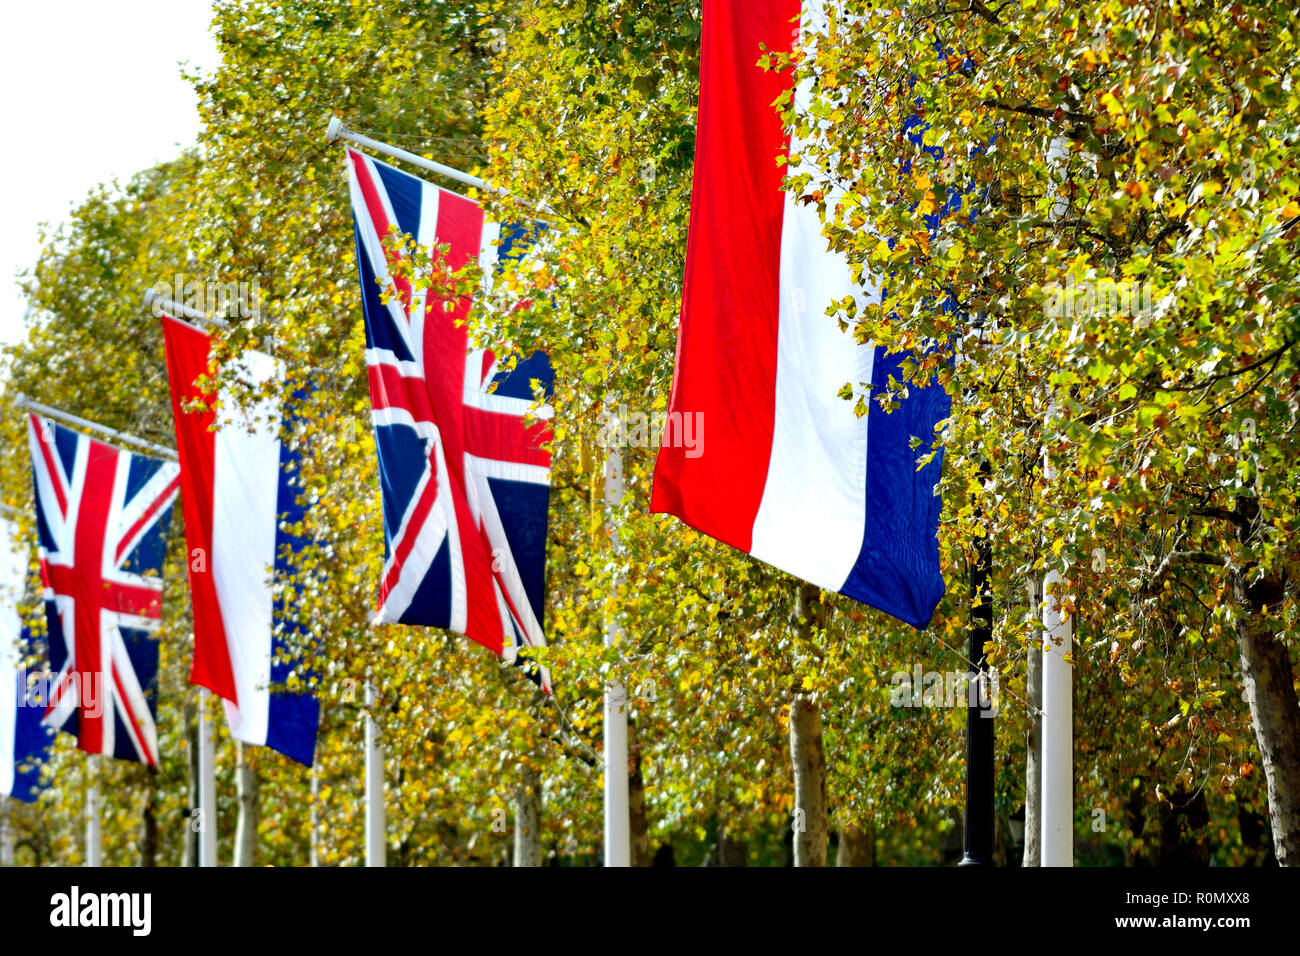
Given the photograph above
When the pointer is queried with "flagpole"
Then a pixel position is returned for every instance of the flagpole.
(160, 305)
(618, 844)
(207, 785)
(337, 130)
(94, 836)
(23, 402)
(6, 802)
(977, 835)
(376, 836)
(6, 834)
(1057, 800)
(314, 845)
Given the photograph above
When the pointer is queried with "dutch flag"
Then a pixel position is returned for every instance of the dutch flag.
(238, 492)
(790, 475)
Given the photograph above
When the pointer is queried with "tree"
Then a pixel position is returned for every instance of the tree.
(1126, 232)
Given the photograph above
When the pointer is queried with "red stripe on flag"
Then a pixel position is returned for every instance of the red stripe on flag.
(446, 344)
(52, 465)
(133, 724)
(379, 217)
(88, 589)
(148, 514)
(727, 340)
(56, 696)
(501, 436)
(116, 596)
(187, 359)
(416, 520)
(390, 389)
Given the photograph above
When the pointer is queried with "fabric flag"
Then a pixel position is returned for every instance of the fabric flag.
(239, 491)
(464, 478)
(102, 514)
(24, 741)
(789, 474)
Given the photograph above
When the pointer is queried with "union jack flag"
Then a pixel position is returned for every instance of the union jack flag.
(102, 514)
(464, 474)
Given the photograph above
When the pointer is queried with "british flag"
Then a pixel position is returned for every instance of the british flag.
(463, 466)
(102, 514)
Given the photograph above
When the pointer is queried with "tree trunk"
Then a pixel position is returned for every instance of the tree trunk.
(528, 818)
(638, 825)
(1275, 716)
(1184, 829)
(809, 782)
(857, 847)
(1269, 687)
(190, 846)
(806, 755)
(1256, 844)
(1135, 819)
(149, 827)
(732, 852)
(1034, 744)
(246, 786)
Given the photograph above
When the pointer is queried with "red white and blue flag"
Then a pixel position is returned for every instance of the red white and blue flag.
(102, 514)
(24, 741)
(464, 471)
(240, 498)
(791, 475)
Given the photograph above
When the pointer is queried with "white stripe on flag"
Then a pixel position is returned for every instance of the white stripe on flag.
(816, 473)
(12, 569)
(246, 478)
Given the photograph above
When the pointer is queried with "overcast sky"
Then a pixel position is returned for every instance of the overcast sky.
(92, 92)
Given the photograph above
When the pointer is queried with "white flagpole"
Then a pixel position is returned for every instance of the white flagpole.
(22, 401)
(618, 844)
(1056, 798)
(207, 785)
(376, 830)
(160, 305)
(15, 568)
(1057, 733)
(94, 836)
(338, 130)
(6, 834)
(314, 858)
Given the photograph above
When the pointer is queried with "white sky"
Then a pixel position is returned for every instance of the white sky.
(92, 91)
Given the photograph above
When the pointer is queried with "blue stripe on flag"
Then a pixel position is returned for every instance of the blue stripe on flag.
(897, 569)
(522, 506)
(380, 333)
(517, 383)
(405, 194)
(293, 718)
(32, 740)
(142, 650)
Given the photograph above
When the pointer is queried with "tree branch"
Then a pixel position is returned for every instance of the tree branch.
(1042, 112)
(1176, 559)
